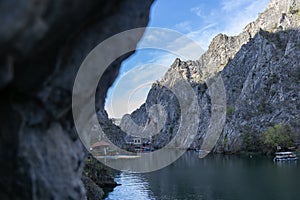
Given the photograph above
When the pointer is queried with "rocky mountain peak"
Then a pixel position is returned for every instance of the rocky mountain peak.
(261, 74)
(279, 15)
(188, 70)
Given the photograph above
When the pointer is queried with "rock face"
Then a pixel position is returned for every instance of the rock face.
(260, 70)
(97, 179)
(42, 46)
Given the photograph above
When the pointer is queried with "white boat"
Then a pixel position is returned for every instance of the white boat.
(119, 156)
(285, 156)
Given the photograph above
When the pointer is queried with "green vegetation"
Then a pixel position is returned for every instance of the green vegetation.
(98, 173)
(225, 142)
(274, 79)
(274, 28)
(262, 107)
(294, 11)
(268, 141)
(277, 135)
(251, 142)
(229, 111)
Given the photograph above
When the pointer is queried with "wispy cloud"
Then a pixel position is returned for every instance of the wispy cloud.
(205, 35)
(244, 14)
(230, 17)
(153, 37)
(198, 11)
(184, 26)
(130, 90)
(232, 5)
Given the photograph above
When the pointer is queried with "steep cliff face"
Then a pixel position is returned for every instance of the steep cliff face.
(265, 91)
(260, 71)
(42, 44)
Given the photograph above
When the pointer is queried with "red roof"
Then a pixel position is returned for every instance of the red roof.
(101, 143)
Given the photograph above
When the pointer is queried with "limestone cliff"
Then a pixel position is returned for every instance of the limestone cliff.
(260, 70)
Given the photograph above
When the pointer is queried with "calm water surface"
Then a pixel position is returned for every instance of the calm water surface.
(215, 177)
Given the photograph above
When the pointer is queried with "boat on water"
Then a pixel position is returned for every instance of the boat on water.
(120, 156)
(285, 156)
(143, 149)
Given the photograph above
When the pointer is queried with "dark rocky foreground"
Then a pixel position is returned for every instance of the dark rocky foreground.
(97, 179)
(42, 44)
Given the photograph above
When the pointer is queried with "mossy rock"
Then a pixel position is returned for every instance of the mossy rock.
(98, 173)
(93, 191)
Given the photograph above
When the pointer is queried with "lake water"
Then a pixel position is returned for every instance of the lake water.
(216, 177)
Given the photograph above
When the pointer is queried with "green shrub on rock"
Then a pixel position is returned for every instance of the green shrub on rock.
(229, 111)
(251, 142)
(277, 135)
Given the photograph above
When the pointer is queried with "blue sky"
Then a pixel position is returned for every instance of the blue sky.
(199, 20)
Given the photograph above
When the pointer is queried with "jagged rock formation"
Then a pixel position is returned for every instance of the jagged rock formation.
(260, 70)
(42, 46)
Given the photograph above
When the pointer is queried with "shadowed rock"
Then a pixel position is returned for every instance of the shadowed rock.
(42, 44)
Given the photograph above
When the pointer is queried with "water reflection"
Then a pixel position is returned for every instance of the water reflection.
(215, 177)
(145, 162)
(134, 186)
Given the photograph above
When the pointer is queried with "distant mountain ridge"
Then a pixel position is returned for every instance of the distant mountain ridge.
(260, 69)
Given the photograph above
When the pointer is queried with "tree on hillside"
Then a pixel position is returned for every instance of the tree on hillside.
(277, 135)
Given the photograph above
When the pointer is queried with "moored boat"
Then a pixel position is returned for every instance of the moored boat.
(285, 156)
